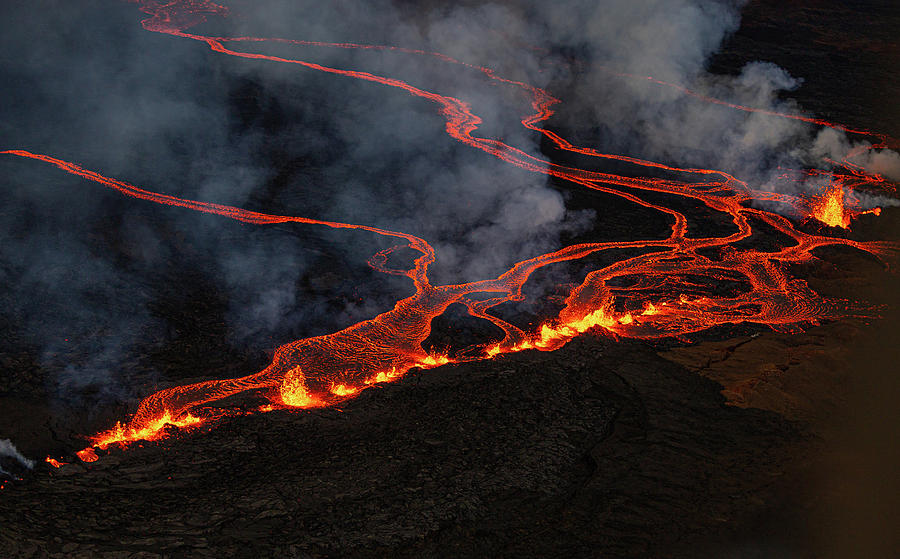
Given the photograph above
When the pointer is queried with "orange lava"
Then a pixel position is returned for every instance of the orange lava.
(294, 393)
(87, 455)
(344, 390)
(669, 279)
(149, 429)
(830, 210)
(54, 462)
(856, 171)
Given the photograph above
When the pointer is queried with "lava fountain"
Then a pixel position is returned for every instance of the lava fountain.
(830, 208)
(664, 297)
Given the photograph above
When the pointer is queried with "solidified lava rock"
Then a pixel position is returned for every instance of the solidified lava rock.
(598, 448)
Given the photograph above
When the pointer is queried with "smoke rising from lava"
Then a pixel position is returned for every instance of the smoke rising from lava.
(9, 452)
(253, 135)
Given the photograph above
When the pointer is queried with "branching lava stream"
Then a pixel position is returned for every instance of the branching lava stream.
(665, 295)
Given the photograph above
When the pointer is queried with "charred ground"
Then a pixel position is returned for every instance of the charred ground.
(603, 448)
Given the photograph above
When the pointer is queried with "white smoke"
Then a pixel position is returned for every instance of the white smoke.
(621, 43)
(277, 138)
(833, 144)
(8, 450)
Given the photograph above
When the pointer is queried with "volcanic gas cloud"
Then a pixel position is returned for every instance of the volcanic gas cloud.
(662, 291)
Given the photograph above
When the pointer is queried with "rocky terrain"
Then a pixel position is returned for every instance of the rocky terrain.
(742, 443)
(601, 446)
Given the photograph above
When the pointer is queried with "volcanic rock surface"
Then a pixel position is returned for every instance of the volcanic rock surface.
(746, 443)
(600, 446)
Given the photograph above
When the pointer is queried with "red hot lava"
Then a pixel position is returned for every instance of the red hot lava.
(664, 297)
(830, 208)
(835, 208)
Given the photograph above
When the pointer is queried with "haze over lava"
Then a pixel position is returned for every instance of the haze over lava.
(670, 152)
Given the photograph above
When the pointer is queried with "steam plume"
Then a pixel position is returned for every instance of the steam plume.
(12, 458)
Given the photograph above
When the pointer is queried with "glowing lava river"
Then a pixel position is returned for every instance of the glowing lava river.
(668, 283)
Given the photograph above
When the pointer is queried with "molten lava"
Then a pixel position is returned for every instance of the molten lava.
(87, 455)
(668, 292)
(830, 210)
(148, 431)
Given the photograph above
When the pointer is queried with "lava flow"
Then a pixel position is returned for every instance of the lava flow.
(834, 208)
(662, 291)
(830, 208)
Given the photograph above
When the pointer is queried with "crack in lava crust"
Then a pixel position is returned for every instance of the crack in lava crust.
(665, 299)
